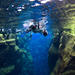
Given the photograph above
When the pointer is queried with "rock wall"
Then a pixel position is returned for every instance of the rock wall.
(63, 14)
(62, 55)
(62, 51)
(13, 60)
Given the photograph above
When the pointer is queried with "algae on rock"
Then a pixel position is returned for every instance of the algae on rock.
(13, 60)
(66, 52)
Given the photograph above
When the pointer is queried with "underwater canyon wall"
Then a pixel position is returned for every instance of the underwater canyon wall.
(14, 60)
(62, 50)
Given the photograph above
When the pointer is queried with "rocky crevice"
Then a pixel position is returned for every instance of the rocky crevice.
(64, 65)
(62, 50)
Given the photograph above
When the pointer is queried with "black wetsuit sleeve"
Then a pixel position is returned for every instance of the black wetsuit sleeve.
(38, 25)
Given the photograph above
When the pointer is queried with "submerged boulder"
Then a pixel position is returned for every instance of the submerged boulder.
(62, 51)
(13, 60)
(64, 64)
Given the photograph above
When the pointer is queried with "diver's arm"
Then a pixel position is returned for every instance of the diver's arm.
(38, 25)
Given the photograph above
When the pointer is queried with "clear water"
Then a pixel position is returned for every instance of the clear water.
(39, 49)
(38, 45)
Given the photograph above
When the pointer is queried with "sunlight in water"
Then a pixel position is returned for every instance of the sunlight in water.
(44, 1)
(36, 4)
(31, 0)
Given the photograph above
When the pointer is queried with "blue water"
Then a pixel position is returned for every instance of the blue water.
(38, 45)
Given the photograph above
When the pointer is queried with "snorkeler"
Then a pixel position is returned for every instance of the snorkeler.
(37, 29)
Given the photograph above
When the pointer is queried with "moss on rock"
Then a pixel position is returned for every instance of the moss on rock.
(13, 60)
(6, 70)
(66, 52)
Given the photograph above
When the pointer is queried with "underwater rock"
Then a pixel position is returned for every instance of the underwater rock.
(62, 55)
(53, 52)
(62, 51)
(64, 17)
(10, 41)
(13, 60)
(6, 70)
